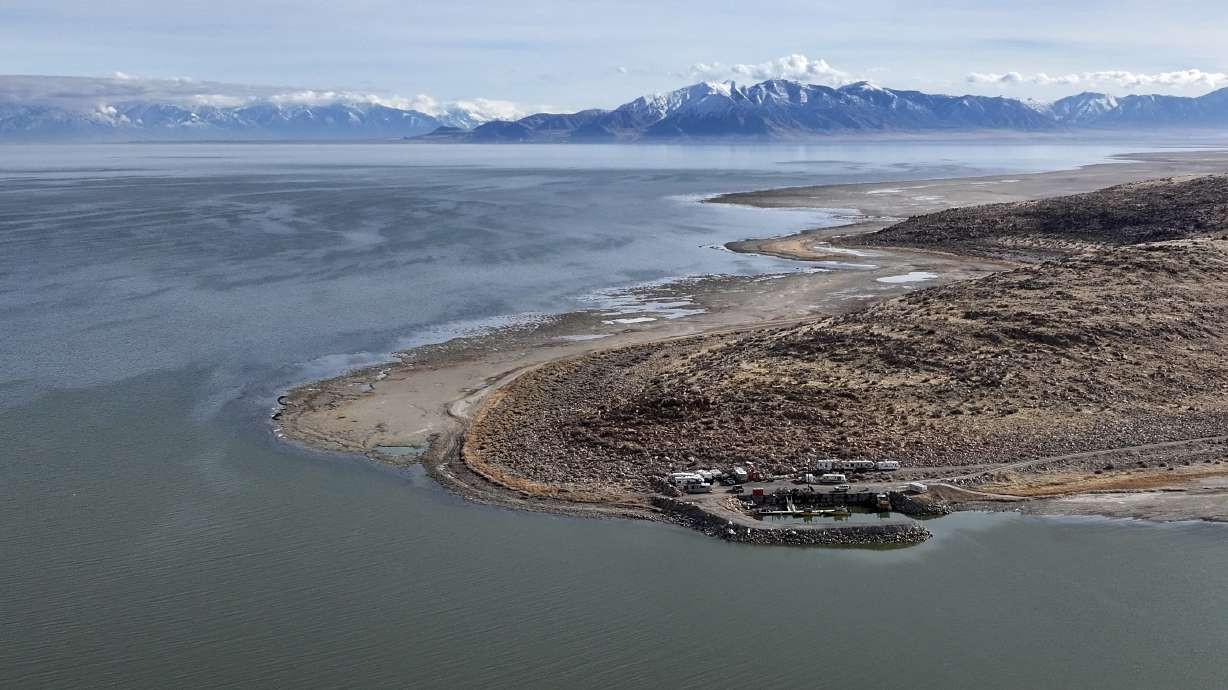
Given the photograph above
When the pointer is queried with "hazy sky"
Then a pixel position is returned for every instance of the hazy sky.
(578, 54)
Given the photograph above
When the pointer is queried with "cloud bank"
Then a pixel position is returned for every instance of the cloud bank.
(98, 93)
(797, 67)
(1123, 79)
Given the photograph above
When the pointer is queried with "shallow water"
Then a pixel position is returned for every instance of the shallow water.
(155, 299)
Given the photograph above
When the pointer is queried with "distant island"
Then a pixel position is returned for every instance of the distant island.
(773, 110)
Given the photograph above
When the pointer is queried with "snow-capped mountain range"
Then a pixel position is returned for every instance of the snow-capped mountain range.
(268, 121)
(770, 110)
(780, 109)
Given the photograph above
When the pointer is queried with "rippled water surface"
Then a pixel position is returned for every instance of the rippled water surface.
(154, 300)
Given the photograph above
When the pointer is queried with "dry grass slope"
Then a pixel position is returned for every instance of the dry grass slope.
(1118, 346)
(1151, 211)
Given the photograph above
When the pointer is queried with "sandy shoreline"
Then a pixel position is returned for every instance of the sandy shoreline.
(418, 408)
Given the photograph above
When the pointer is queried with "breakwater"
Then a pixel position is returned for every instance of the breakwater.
(695, 517)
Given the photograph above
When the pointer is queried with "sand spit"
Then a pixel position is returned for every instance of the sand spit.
(966, 383)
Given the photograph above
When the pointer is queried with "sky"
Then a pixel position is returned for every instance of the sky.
(550, 55)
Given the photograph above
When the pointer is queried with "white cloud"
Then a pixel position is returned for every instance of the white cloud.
(1179, 79)
(796, 67)
(485, 108)
(1123, 79)
(994, 78)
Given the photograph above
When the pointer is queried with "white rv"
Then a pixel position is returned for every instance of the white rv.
(683, 478)
(886, 465)
(833, 479)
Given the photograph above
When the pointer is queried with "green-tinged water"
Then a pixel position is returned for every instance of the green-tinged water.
(154, 533)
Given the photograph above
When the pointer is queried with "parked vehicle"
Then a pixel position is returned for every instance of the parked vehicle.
(833, 479)
(886, 465)
(740, 474)
(824, 465)
(737, 489)
(680, 478)
(840, 488)
(916, 488)
(698, 488)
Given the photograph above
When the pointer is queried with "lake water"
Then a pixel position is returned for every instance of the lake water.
(155, 299)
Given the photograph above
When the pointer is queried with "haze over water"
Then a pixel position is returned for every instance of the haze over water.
(155, 299)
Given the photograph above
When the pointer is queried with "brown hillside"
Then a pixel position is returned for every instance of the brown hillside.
(1116, 347)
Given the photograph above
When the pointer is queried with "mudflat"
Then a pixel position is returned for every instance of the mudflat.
(1014, 366)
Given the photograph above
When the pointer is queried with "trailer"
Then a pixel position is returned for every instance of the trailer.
(887, 465)
(698, 488)
(740, 475)
(833, 479)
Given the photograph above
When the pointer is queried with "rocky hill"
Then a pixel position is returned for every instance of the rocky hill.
(1114, 347)
(1150, 211)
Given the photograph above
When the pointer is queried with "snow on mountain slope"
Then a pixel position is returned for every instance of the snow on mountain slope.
(770, 110)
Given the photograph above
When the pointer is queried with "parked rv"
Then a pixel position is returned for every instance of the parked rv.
(680, 478)
(833, 479)
(698, 488)
(917, 488)
(886, 465)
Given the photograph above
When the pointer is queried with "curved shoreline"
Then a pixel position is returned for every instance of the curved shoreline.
(488, 377)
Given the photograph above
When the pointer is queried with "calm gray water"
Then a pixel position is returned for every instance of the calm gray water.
(154, 300)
